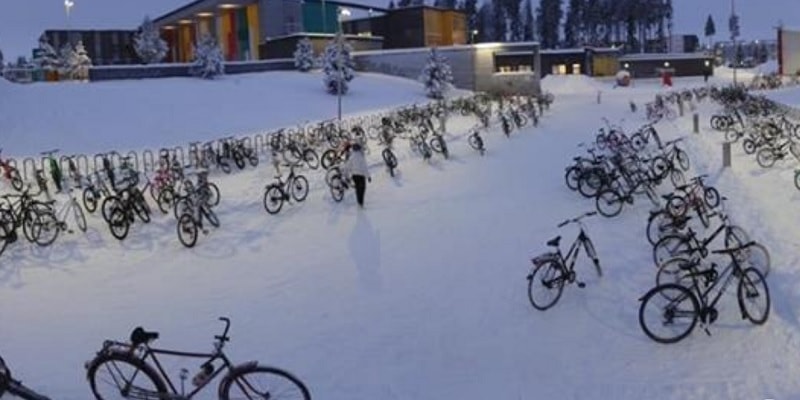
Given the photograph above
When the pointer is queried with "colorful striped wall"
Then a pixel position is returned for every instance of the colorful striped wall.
(252, 23)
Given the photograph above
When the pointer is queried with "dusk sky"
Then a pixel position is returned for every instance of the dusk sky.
(22, 21)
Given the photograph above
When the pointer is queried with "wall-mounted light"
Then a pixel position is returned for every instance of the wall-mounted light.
(227, 6)
(205, 14)
(185, 21)
(708, 63)
(626, 65)
(168, 27)
(666, 64)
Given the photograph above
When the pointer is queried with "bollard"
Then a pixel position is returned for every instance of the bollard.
(680, 108)
(599, 96)
(726, 155)
(696, 122)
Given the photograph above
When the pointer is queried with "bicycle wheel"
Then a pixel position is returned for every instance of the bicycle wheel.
(45, 229)
(16, 180)
(749, 146)
(89, 200)
(109, 203)
(80, 217)
(638, 142)
(669, 247)
(263, 383)
(711, 197)
(118, 223)
(328, 159)
(210, 216)
(677, 178)
(165, 199)
(389, 158)
(572, 177)
(675, 271)
(545, 284)
(273, 199)
(337, 188)
(753, 295)
(765, 158)
(668, 313)
(676, 206)
(590, 182)
(735, 237)
(475, 142)
(299, 188)
(141, 211)
(311, 158)
(119, 376)
(5, 238)
(658, 225)
(609, 203)
(187, 230)
(213, 196)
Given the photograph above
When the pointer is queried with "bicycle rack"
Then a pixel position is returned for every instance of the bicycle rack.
(179, 154)
(148, 161)
(115, 158)
(29, 162)
(135, 156)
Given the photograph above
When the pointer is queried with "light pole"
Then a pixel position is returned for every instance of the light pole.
(733, 26)
(472, 36)
(68, 4)
(341, 12)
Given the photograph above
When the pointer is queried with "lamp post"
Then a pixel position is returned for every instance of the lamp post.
(733, 26)
(472, 36)
(68, 4)
(341, 12)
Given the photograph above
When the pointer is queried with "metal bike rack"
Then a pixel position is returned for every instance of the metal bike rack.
(135, 157)
(148, 161)
(29, 168)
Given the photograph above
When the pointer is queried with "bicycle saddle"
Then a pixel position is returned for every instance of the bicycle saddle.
(554, 241)
(141, 336)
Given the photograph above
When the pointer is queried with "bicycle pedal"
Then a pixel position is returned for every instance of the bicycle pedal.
(581, 285)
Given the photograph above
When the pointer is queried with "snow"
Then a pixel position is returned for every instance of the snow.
(421, 295)
(572, 84)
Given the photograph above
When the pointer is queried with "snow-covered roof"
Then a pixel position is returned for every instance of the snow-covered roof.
(664, 56)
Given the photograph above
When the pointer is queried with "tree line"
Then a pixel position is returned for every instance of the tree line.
(635, 25)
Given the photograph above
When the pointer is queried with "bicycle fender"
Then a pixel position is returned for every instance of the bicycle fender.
(541, 259)
(233, 372)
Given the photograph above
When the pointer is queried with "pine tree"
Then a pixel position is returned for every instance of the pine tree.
(515, 20)
(499, 28)
(331, 67)
(148, 43)
(573, 28)
(80, 62)
(548, 17)
(403, 3)
(471, 10)
(528, 27)
(66, 57)
(710, 30)
(208, 59)
(304, 55)
(447, 4)
(48, 58)
(391, 5)
(483, 23)
(436, 75)
(1, 63)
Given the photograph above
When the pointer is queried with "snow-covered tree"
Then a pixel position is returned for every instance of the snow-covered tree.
(66, 56)
(148, 44)
(48, 58)
(208, 59)
(304, 55)
(80, 62)
(331, 67)
(1, 63)
(436, 75)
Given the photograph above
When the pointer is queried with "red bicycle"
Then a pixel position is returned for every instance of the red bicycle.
(11, 173)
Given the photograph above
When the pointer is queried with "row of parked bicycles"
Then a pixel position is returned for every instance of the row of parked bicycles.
(63, 190)
(697, 250)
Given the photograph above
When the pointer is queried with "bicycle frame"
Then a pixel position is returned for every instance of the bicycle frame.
(703, 294)
(571, 257)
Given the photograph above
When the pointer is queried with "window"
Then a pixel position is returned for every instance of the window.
(560, 69)
(576, 69)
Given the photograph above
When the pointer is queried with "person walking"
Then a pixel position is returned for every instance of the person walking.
(356, 167)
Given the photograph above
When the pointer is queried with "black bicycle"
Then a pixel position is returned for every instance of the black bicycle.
(132, 371)
(14, 387)
(552, 270)
(295, 186)
(670, 311)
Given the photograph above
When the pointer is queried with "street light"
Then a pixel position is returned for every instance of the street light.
(472, 36)
(68, 4)
(341, 14)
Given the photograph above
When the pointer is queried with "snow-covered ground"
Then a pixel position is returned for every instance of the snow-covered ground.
(422, 294)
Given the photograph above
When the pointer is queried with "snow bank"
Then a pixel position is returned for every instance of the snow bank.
(571, 84)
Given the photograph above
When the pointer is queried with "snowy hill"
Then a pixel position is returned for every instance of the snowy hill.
(421, 295)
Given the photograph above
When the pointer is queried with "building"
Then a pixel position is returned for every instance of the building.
(788, 51)
(683, 44)
(653, 65)
(591, 61)
(408, 27)
(105, 47)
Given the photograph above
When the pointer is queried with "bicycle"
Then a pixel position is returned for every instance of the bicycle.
(476, 141)
(14, 387)
(685, 306)
(277, 192)
(553, 269)
(49, 222)
(11, 174)
(132, 370)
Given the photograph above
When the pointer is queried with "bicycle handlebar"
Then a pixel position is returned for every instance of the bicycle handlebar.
(224, 337)
(731, 251)
(577, 219)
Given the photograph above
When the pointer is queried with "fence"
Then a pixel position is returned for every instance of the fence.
(145, 160)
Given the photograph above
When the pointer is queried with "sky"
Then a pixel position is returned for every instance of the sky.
(22, 21)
